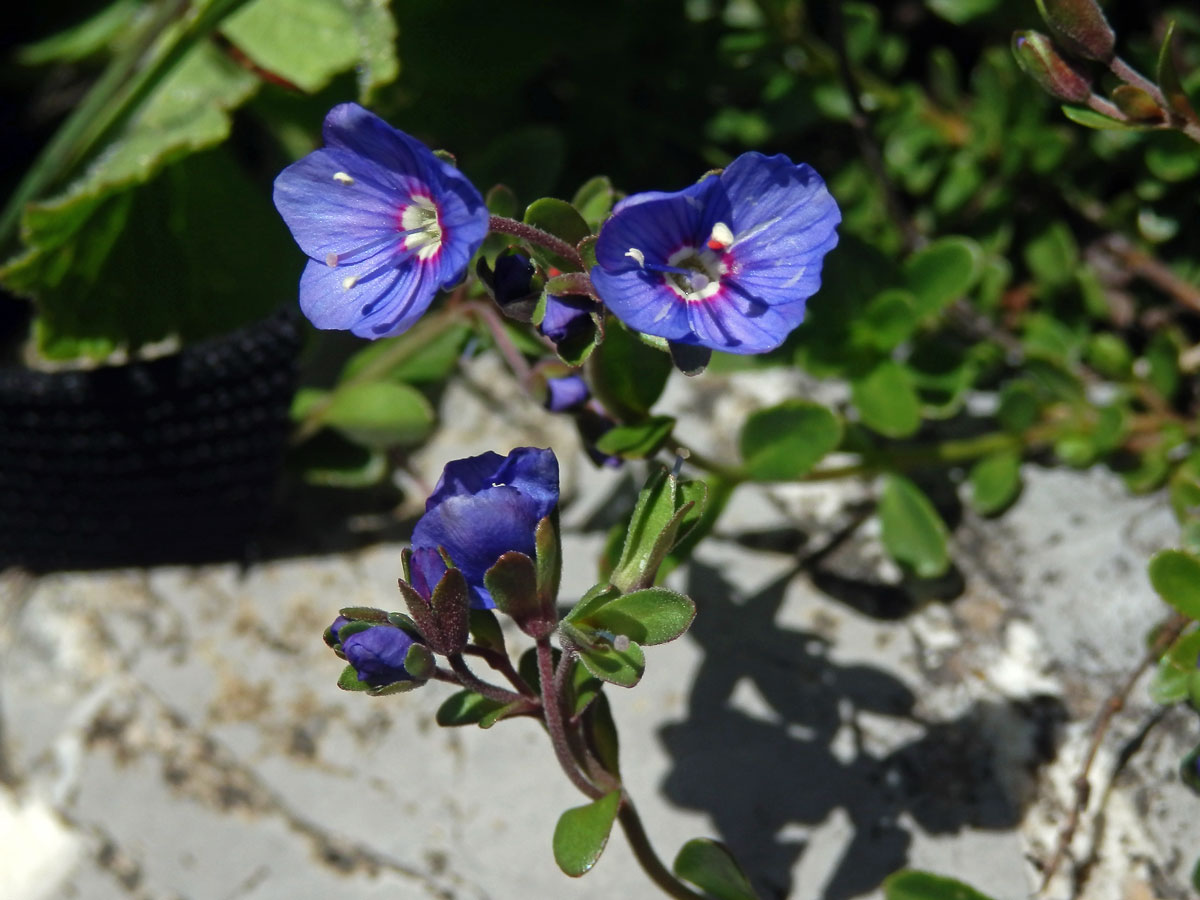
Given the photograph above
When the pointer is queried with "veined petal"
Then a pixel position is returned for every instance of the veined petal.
(364, 134)
(657, 227)
(374, 298)
(642, 301)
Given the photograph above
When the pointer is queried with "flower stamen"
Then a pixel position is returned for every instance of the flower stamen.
(721, 237)
(343, 178)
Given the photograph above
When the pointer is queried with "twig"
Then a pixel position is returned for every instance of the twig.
(1170, 630)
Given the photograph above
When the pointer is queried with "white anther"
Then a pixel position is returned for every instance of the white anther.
(637, 256)
(721, 235)
(620, 643)
(349, 281)
(342, 178)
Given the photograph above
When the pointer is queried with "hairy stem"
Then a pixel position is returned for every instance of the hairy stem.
(552, 709)
(471, 682)
(635, 833)
(502, 664)
(535, 236)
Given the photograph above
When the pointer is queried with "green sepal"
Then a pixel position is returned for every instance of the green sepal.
(465, 708)
(352, 628)
(637, 441)
(1169, 81)
(442, 620)
(485, 629)
(650, 616)
(548, 561)
(582, 833)
(400, 620)
(910, 884)
(623, 668)
(912, 531)
(348, 680)
(710, 866)
(512, 582)
(419, 662)
(785, 442)
(561, 219)
(364, 614)
(396, 687)
(1138, 105)
(1175, 576)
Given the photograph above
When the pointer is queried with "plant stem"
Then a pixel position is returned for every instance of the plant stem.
(502, 664)
(535, 236)
(635, 833)
(555, 722)
(512, 356)
(468, 679)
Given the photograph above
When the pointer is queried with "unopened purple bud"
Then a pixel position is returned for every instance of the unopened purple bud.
(336, 625)
(513, 278)
(1080, 26)
(378, 654)
(565, 393)
(1037, 56)
(566, 316)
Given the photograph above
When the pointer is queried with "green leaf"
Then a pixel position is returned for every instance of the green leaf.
(910, 884)
(584, 689)
(636, 441)
(582, 833)
(995, 481)
(710, 866)
(84, 39)
(512, 582)
(504, 712)
(1175, 669)
(1081, 115)
(784, 442)
(501, 201)
(560, 219)
(649, 616)
(415, 357)
(1175, 575)
(1053, 255)
(942, 272)
(465, 708)
(380, 414)
(653, 529)
(308, 42)
(1184, 489)
(887, 401)
(627, 376)
(913, 532)
(1019, 407)
(623, 668)
(889, 319)
(601, 730)
(1168, 79)
(594, 200)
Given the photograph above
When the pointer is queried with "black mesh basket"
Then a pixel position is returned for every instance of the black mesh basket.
(170, 460)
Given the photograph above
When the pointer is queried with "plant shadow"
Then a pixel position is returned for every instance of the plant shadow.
(769, 782)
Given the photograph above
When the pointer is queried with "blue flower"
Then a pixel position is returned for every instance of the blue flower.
(386, 224)
(726, 263)
(378, 654)
(483, 507)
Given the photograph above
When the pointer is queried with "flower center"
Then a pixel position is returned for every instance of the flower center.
(421, 227)
(693, 273)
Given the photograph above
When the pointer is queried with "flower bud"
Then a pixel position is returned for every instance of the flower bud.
(1037, 55)
(378, 655)
(566, 392)
(1080, 26)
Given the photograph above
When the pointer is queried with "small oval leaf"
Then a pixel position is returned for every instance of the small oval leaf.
(913, 885)
(582, 833)
(650, 616)
(709, 865)
(380, 414)
(913, 532)
(784, 442)
(465, 708)
(1176, 577)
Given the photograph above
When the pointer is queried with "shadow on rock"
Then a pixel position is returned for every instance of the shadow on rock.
(767, 783)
